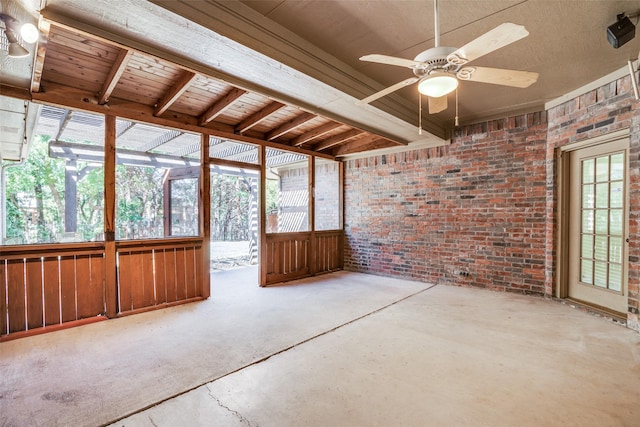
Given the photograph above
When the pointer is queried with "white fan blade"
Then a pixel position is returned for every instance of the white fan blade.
(500, 36)
(391, 60)
(498, 76)
(437, 104)
(388, 90)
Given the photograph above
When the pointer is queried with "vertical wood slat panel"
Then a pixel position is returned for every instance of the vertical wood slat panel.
(43, 288)
(190, 272)
(97, 284)
(284, 268)
(83, 286)
(90, 288)
(15, 294)
(136, 279)
(175, 276)
(124, 282)
(147, 282)
(68, 288)
(326, 253)
(34, 293)
(200, 255)
(275, 259)
(3, 298)
(170, 274)
(181, 290)
(160, 276)
(51, 291)
(267, 259)
(334, 253)
(306, 255)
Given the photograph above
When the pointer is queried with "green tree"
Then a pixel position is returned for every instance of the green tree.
(35, 203)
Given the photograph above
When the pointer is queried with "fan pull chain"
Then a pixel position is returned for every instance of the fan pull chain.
(456, 123)
(419, 114)
(436, 23)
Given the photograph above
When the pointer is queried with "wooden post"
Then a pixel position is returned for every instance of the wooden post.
(204, 214)
(341, 195)
(71, 196)
(110, 266)
(341, 241)
(262, 217)
(313, 256)
(166, 206)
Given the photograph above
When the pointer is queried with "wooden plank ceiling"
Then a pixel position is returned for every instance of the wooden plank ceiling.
(79, 70)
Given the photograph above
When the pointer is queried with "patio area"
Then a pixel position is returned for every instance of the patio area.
(230, 255)
(338, 349)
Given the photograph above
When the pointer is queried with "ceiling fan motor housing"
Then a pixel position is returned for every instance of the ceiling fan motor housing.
(435, 59)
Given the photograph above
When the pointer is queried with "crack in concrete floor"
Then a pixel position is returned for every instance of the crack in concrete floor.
(235, 413)
(264, 359)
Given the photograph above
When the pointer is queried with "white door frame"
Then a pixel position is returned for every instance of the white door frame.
(561, 288)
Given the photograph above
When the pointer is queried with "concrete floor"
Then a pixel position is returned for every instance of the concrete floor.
(344, 349)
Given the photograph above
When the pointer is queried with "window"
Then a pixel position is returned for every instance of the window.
(287, 192)
(157, 172)
(57, 194)
(327, 195)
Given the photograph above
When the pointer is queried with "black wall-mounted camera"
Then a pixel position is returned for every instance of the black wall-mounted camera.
(621, 32)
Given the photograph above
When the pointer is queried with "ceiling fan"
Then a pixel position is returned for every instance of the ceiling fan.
(438, 70)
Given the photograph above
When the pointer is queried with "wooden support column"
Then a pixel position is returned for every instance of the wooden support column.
(166, 205)
(71, 196)
(204, 210)
(341, 211)
(110, 266)
(313, 266)
(341, 198)
(262, 216)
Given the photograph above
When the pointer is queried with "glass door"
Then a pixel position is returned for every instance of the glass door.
(598, 225)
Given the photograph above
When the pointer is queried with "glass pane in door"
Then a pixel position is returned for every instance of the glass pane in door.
(602, 221)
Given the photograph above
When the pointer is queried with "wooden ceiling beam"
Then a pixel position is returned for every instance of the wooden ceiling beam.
(114, 75)
(314, 133)
(337, 139)
(68, 97)
(172, 95)
(289, 125)
(38, 65)
(364, 144)
(95, 153)
(15, 92)
(258, 116)
(220, 105)
(64, 121)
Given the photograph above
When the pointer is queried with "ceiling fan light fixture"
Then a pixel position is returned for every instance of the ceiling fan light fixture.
(437, 84)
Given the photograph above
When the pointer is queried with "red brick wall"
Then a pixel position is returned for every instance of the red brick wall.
(482, 211)
(470, 213)
(294, 198)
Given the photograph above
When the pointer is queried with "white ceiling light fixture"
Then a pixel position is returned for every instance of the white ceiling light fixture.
(28, 32)
(438, 84)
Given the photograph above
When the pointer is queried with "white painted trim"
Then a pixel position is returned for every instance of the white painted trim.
(619, 73)
(433, 141)
(609, 137)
